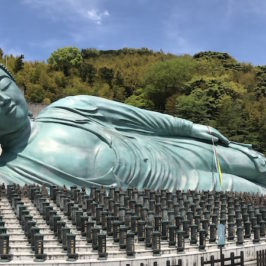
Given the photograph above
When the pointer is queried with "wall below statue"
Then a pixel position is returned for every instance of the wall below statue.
(35, 108)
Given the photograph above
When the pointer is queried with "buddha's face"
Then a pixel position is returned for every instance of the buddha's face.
(13, 107)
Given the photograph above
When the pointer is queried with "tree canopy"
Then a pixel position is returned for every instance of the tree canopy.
(209, 88)
(65, 58)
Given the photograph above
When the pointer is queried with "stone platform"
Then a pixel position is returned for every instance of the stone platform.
(23, 255)
(157, 227)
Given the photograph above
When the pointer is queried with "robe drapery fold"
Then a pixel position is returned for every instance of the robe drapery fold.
(152, 150)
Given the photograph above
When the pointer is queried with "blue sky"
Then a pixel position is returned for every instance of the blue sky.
(36, 28)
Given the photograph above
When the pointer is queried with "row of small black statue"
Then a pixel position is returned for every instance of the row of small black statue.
(31, 230)
(4, 242)
(162, 215)
(51, 217)
(147, 216)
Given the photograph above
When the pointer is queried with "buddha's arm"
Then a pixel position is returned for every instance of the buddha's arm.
(126, 118)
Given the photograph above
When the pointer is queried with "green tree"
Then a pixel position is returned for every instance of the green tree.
(89, 53)
(139, 99)
(19, 64)
(107, 75)
(204, 98)
(254, 120)
(230, 119)
(119, 93)
(193, 107)
(88, 73)
(119, 81)
(210, 88)
(65, 58)
(35, 93)
(223, 57)
(164, 79)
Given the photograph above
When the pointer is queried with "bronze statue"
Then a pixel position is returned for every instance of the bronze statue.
(88, 141)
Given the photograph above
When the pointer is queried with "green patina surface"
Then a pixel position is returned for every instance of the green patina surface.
(87, 140)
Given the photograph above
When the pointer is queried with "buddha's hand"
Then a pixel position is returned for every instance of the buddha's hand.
(209, 134)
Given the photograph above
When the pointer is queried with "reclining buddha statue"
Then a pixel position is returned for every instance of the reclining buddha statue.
(90, 141)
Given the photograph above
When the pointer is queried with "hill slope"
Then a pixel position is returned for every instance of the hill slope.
(210, 87)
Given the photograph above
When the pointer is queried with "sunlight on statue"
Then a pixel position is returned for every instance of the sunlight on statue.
(86, 140)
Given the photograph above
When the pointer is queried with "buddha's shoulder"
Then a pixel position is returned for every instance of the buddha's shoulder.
(62, 134)
(80, 102)
(68, 107)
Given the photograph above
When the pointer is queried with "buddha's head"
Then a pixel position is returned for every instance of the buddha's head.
(13, 107)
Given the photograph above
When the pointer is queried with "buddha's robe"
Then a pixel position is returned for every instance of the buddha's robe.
(87, 140)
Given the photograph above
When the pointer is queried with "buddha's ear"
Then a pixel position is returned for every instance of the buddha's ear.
(7, 72)
(30, 114)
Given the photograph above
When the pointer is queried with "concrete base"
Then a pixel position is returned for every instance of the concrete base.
(22, 254)
(188, 258)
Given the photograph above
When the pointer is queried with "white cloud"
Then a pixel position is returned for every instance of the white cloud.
(69, 10)
(96, 16)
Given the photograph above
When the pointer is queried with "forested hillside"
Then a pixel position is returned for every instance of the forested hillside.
(209, 88)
